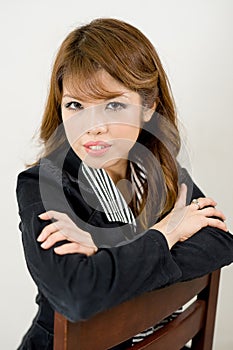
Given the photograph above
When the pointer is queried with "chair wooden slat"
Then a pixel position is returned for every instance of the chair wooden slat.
(181, 329)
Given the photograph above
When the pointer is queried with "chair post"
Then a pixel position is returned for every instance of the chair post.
(60, 331)
(68, 335)
(204, 339)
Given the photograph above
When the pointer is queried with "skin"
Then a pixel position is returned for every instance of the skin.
(180, 224)
(120, 135)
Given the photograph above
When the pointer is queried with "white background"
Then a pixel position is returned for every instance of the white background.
(194, 40)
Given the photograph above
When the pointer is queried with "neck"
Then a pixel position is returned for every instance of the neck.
(118, 171)
(118, 175)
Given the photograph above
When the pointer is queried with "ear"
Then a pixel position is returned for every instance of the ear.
(148, 112)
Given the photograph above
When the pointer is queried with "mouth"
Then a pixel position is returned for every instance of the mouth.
(96, 148)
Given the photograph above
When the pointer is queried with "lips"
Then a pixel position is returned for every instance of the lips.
(96, 148)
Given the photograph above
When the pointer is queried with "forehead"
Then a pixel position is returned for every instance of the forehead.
(99, 85)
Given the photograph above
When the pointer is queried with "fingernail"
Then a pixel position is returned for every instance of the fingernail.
(43, 245)
(39, 238)
(40, 215)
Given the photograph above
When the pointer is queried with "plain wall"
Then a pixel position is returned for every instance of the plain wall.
(194, 41)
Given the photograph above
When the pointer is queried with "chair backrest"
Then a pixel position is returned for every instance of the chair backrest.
(115, 325)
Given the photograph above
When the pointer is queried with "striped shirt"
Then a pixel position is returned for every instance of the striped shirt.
(116, 209)
(111, 199)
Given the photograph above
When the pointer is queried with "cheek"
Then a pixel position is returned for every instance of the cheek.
(78, 149)
(73, 129)
(125, 132)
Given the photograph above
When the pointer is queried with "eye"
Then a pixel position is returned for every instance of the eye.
(116, 106)
(73, 105)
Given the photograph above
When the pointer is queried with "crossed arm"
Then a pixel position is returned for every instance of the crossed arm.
(179, 225)
(92, 278)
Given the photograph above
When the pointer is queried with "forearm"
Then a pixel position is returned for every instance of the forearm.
(206, 251)
(79, 286)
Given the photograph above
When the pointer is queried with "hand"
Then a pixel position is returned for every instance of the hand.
(184, 221)
(65, 229)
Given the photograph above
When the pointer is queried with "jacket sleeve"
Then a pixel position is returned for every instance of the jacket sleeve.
(209, 249)
(79, 286)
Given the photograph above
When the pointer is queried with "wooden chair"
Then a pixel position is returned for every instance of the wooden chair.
(122, 322)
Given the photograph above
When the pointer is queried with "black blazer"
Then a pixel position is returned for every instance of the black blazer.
(79, 286)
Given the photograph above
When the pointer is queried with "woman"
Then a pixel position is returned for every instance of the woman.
(107, 212)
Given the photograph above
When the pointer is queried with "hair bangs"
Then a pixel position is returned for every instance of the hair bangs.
(83, 79)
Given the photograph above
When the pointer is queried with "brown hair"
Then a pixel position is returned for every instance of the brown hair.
(130, 58)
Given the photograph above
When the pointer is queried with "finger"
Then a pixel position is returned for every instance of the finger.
(47, 231)
(217, 224)
(213, 212)
(52, 239)
(184, 238)
(52, 214)
(181, 199)
(203, 202)
(74, 248)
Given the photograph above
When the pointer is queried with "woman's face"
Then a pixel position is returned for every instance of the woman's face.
(102, 132)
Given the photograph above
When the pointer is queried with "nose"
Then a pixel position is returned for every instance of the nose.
(95, 120)
(98, 129)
